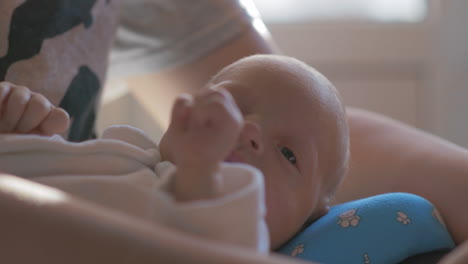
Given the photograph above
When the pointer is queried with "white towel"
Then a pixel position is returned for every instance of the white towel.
(124, 171)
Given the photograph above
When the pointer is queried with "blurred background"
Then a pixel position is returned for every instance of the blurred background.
(407, 59)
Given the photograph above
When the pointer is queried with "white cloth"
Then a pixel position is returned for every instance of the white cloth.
(124, 171)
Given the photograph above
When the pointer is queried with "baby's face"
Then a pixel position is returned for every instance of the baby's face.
(295, 132)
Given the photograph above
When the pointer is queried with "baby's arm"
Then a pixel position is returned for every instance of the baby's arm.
(25, 112)
(203, 131)
(204, 128)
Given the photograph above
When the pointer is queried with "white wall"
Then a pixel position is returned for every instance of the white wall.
(380, 67)
(119, 107)
(451, 85)
(416, 73)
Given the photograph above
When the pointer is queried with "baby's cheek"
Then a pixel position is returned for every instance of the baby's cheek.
(282, 220)
(275, 223)
(275, 210)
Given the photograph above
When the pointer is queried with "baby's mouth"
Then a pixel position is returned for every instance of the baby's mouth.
(234, 157)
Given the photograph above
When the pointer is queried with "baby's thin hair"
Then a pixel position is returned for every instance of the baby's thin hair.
(340, 171)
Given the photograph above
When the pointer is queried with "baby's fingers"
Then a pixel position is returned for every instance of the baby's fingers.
(217, 109)
(56, 122)
(14, 105)
(181, 113)
(5, 89)
(36, 111)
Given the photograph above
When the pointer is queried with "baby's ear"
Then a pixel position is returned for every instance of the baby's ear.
(323, 210)
(326, 209)
(319, 212)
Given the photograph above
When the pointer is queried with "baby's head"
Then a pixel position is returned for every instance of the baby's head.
(295, 132)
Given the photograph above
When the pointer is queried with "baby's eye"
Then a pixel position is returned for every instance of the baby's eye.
(289, 155)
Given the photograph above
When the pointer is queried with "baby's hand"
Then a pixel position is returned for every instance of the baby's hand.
(26, 112)
(204, 129)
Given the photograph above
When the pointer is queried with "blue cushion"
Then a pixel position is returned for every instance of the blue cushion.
(386, 228)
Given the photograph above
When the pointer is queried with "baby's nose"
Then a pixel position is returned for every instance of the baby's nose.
(251, 137)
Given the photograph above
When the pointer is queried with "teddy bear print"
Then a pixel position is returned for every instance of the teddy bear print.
(403, 218)
(297, 250)
(349, 218)
(366, 258)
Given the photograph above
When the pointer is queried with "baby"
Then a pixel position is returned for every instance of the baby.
(294, 130)
(272, 113)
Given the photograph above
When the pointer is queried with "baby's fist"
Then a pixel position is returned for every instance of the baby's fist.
(205, 128)
(25, 112)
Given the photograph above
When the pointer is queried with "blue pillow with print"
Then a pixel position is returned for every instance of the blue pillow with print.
(386, 228)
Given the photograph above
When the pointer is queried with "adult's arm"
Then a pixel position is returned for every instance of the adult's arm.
(388, 156)
(156, 91)
(40, 224)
